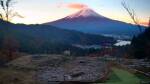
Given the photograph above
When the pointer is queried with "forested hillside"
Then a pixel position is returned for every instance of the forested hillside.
(141, 45)
(42, 38)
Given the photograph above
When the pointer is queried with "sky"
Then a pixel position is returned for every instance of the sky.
(42, 11)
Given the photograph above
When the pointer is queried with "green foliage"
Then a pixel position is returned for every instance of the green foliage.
(123, 76)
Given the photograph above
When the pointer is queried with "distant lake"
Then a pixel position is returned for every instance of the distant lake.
(122, 43)
(87, 46)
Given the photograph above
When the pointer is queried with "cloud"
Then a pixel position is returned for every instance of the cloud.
(75, 5)
(144, 23)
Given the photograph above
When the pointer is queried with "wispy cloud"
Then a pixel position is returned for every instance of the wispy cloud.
(74, 5)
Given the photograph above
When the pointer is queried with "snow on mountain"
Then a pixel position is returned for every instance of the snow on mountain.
(88, 21)
(86, 12)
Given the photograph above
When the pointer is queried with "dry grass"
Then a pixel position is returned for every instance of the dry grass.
(12, 76)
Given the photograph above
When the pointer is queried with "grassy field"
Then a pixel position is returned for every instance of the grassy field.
(120, 76)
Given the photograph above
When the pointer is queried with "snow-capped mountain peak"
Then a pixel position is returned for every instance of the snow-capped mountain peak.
(88, 21)
(86, 12)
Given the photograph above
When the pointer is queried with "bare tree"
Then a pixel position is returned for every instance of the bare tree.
(149, 23)
(10, 50)
(7, 12)
(132, 14)
(10, 44)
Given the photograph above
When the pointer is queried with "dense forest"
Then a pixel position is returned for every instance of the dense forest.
(141, 45)
(45, 39)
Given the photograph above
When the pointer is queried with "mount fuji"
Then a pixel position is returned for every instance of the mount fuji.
(88, 21)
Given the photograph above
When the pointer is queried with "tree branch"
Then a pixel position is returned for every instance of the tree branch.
(132, 14)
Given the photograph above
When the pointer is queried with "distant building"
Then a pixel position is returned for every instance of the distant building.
(67, 52)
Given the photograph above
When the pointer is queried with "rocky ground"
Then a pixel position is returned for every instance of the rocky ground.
(58, 68)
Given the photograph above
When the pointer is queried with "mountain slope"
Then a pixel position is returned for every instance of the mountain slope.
(89, 21)
(43, 36)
